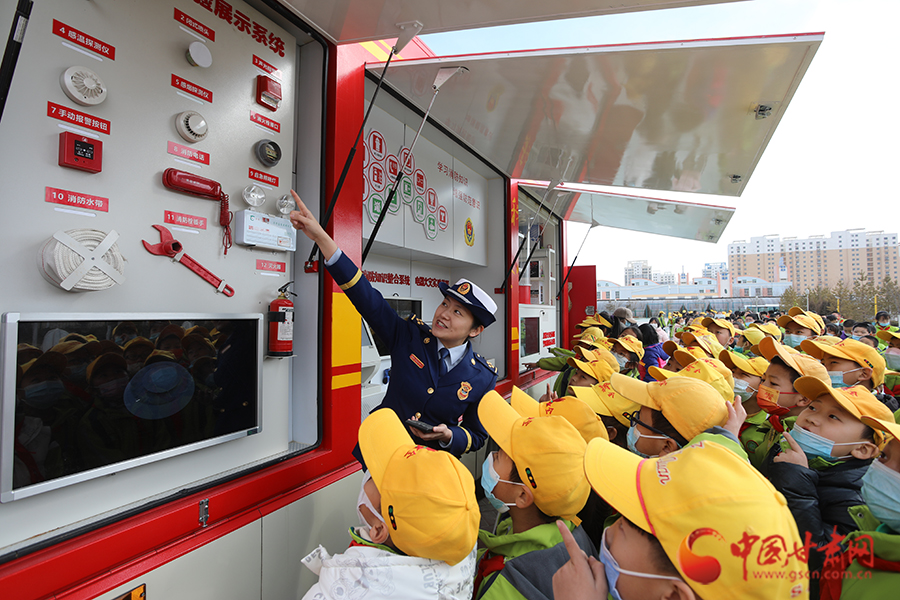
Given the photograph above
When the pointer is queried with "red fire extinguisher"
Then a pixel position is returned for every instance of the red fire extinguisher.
(281, 323)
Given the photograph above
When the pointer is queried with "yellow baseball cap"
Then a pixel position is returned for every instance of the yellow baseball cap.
(801, 363)
(691, 405)
(599, 354)
(889, 427)
(707, 341)
(723, 323)
(669, 347)
(51, 359)
(548, 452)
(596, 369)
(691, 329)
(104, 360)
(427, 496)
(801, 320)
(594, 321)
(590, 335)
(770, 329)
(862, 354)
(575, 411)
(712, 371)
(754, 336)
(701, 503)
(631, 343)
(752, 366)
(606, 401)
(856, 400)
(887, 336)
(796, 310)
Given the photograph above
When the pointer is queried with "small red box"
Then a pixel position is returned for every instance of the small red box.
(268, 92)
(80, 152)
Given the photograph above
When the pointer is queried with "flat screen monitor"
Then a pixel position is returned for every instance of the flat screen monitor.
(86, 395)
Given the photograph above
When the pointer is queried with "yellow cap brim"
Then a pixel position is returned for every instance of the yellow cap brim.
(524, 404)
(660, 374)
(380, 436)
(612, 472)
(498, 418)
(633, 389)
(890, 427)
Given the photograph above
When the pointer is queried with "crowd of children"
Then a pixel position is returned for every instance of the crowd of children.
(733, 456)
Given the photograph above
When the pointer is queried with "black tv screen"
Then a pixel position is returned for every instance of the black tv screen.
(87, 395)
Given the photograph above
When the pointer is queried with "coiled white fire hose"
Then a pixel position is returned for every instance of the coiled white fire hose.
(82, 260)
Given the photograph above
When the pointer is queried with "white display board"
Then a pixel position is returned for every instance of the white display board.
(440, 205)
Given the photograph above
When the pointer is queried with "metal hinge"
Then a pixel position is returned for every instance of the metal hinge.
(204, 511)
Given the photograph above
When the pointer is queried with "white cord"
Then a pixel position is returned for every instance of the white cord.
(70, 260)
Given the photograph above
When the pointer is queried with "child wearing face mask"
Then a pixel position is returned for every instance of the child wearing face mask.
(819, 464)
(879, 520)
(850, 363)
(628, 351)
(798, 327)
(883, 323)
(748, 374)
(589, 424)
(672, 412)
(418, 524)
(687, 518)
(892, 358)
(537, 476)
(776, 394)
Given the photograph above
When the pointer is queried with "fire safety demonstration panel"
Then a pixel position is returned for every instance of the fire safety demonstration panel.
(149, 121)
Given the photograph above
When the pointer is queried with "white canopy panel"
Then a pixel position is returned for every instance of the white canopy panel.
(689, 116)
(362, 20)
(688, 220)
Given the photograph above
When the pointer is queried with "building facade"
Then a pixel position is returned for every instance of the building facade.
(817, 260)
(637, 269)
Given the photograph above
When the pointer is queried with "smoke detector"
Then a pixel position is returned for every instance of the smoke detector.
(83, 86)
(191, 126)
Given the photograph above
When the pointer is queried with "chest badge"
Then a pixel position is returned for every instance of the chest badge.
(464, 388)
(417, 361)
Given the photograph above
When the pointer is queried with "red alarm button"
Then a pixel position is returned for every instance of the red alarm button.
(80, 152)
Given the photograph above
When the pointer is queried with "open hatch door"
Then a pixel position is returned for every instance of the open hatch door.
(688, 220)
(366, 20)
(684, 116)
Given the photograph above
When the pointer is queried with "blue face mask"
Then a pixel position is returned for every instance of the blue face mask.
(78, 372)
(632, 438)
(881, 490)
(884, 323)
(816, 446)
(489, 480)
(837, 377)
(793, 339)
(856, 337)
(613, 570)
(44, 394)
(892, 360)
(743, 390)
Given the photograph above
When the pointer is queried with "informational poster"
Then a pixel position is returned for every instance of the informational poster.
(438, 207)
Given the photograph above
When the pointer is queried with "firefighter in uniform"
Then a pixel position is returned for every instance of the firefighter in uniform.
(435, 375)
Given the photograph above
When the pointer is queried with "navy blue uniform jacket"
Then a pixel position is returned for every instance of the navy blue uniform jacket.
(415, 385)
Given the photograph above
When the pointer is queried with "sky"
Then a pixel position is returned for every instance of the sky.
(827, 167)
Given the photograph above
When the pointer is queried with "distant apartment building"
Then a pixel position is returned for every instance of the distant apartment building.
(710, 270)
(667, 278)
(816, 260)
(637, 269)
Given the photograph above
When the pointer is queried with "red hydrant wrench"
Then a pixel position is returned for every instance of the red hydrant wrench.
(169, 246)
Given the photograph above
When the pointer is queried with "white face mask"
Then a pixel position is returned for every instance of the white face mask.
(364, 501)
